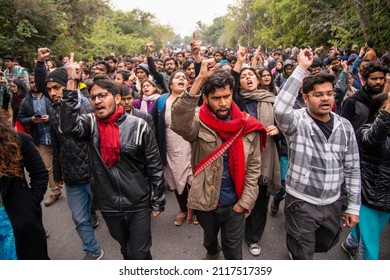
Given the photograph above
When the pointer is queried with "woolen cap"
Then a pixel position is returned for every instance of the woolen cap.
(144, 67)
(58, 75)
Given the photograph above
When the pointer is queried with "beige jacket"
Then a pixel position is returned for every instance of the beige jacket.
(205, 188)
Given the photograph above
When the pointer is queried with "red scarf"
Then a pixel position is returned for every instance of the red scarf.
(226, 129)
(109, 137)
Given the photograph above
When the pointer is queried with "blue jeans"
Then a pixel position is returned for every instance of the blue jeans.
(79, 199)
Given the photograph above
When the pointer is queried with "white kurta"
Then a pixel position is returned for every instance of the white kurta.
(178, 171)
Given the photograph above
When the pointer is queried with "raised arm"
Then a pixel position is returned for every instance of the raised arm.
(184, 121)
(256, 57)
(71, 122)
(40, 72)
(283, 107)
(242, 54)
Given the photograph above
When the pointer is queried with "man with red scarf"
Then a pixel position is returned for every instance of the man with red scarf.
(125, 165)
(226, 145)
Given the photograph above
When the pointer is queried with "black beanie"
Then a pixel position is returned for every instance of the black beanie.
(58, 75)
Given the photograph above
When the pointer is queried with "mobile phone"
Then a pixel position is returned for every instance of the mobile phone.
(37, 116)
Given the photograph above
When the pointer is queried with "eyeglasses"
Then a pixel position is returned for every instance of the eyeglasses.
(102, 96)
(318, 94)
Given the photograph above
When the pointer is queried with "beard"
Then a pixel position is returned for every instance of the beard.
(222, 118)
(373, 91)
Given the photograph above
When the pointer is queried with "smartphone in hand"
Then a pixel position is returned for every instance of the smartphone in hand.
(37, 116)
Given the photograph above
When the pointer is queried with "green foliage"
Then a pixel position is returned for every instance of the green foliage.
(108, 38)
(271, 23)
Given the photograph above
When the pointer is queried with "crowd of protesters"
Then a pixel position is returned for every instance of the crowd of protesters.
(232, 132)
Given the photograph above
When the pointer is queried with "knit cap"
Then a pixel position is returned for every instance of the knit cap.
(58, 75)
(144, 67)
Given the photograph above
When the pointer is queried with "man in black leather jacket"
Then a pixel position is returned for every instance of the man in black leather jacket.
(125, 167)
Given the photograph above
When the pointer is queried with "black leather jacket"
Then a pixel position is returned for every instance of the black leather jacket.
(374, 145)
(136, 181)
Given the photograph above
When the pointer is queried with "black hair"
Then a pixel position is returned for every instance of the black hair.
(97, 58)
(87, 71)
(272, 87)
(22, 87)
(125, 90)
(171, 58)
(331, 59)
(106, 64)
(314, 79)
(219, 79)
(111, 57)
(173, 75)
(370, 43)
(9, 57)
(376, 104)
(316, 63)
(372, 67)
(187, 64)
(125, 74)
(253, 70)
(230, 58)
(105, 82)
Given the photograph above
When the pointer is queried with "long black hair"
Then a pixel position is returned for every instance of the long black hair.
(272, 87)
(376, 104)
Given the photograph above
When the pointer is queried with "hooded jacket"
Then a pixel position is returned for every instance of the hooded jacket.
(282, 77)
(356, 108)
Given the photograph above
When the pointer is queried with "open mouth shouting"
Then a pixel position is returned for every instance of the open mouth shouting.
(326, 106)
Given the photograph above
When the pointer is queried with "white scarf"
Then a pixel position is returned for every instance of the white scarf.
(146, 99)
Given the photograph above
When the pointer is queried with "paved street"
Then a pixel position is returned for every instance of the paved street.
(171, 242)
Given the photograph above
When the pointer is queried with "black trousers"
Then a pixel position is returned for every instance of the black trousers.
(133, 233)
(256, 221)
(231, 224)
(311, 228)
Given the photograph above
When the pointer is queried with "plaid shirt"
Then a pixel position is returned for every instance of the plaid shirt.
(318, 167)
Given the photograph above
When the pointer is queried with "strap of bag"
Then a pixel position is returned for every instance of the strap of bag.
(202, 166)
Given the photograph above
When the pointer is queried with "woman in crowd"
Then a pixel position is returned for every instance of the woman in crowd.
(22, 201)
(258, 103)
(18, 93)
(175, 151)
(148, 95)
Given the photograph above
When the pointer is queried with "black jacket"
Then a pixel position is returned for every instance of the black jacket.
(22, 202)
(374, 145)
(136, 181)
(146, 116)
(70, 157)
(26, 112)
(356, 108)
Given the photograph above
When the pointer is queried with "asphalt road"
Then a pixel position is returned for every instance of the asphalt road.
(171, 242)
